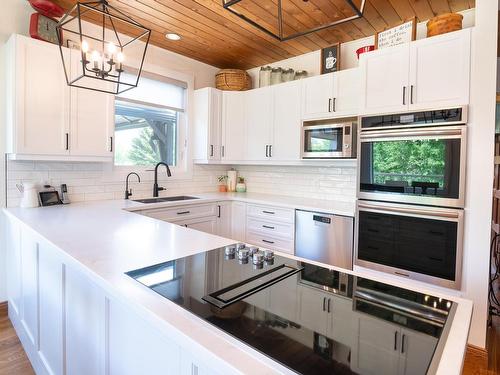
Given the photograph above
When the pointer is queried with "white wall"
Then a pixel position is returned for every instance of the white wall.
(480, 167)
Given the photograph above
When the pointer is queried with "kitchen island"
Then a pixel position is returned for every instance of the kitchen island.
(69, 295)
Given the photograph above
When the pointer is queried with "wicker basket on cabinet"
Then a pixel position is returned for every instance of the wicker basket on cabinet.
(233, 80)
(444, 23)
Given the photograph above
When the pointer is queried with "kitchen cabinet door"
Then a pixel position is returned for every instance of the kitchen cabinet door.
(204, 224)
(439, 71)
(312, 310)
(286, 129)
(384, 80)
(38, 99)
(340, 320)
(14, 287)
(84, 310)
(317, 96)
(376, 348)
(416, 351)
(224, 219)
(51, 310)
(29, 277)
(233, 126)
(346, 93)
(207, 124)
(136, 347)
(92, 119)
(259, 117)
(238, 221)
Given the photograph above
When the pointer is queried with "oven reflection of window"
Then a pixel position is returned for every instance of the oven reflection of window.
(323, 140)
(404, 162)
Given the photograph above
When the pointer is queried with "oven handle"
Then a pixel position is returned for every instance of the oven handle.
(413, 211)
(452, 131)
(339, 125)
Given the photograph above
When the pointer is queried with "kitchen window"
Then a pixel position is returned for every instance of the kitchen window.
(150, 123)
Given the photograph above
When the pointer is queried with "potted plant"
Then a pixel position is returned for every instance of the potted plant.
(241, 187)
(222, 183)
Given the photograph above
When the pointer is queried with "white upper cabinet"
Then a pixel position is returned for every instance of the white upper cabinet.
(425, 74)
(207, 124)
(91, 118)
(38, 98)
(440, 71)
(233, 126)
(331, 95)
(384, 80)
(259, 118)
(317, 93)
(285, 145)
(46, 118)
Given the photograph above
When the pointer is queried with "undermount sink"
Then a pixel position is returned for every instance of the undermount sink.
(166, 199)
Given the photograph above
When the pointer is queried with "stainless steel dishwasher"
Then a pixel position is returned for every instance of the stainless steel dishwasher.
(324, 238)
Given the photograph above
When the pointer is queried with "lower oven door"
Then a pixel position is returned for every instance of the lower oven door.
(421, 243)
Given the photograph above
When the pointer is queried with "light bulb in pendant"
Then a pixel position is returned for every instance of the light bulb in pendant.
(111, 48)
(85, 46)
(120, 57)
(96, 56)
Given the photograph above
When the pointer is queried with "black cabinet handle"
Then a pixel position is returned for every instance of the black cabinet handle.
(268, 212)
(403, 344)
(324, 303)
(334, 104)
(329, 104)
(183, 212)
(218, 207)
(267, 151)
(67, 141)
(328, 309)
(211, 150)
(266, 241)
(110, 144)
(404, 95)
(267, 227)
(186, 225)
(270, 151)
(396, 340)
(411, 98)
(222, 151)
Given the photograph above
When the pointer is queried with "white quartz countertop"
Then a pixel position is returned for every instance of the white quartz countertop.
(320, 205)
(104, 240)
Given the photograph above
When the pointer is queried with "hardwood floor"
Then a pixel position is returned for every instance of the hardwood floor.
(13, 359)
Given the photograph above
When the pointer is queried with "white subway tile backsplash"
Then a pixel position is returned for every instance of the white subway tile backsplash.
(95, 181)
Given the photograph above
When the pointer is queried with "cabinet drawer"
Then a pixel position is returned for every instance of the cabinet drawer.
(270, 228)
(270, 212)
(270, 242)
(182, 212)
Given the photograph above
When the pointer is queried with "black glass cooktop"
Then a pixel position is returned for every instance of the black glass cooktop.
(312, 320)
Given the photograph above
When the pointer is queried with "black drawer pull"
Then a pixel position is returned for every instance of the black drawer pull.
(267, 227)
(266, 241)
(183, 212)
(268, 212)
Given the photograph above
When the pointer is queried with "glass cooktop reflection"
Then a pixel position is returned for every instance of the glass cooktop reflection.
(312, 320)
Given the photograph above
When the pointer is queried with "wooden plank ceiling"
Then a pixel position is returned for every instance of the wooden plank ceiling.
(214, 35)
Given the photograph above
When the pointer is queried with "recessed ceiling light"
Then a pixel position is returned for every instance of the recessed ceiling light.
(173, 36)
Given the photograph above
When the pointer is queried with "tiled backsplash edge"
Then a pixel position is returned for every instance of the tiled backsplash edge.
(96, 181)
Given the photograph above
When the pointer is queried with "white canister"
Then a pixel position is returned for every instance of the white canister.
(29, 194)
(232, 177)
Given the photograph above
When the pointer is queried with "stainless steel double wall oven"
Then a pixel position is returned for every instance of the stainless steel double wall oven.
(411, 194)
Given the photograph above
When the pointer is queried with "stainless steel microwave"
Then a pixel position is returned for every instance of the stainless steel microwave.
(329, 140)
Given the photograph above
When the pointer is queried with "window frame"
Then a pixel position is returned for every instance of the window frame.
(184, 167)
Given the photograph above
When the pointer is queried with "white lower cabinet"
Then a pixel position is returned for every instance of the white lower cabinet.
(70, 325)
(238, 221)
(138, 349)
(51, 274)
(406, 352)
(224, 214)
(84, 328)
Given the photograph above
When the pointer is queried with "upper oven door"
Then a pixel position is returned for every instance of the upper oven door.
(327, 141)
(421, 166)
